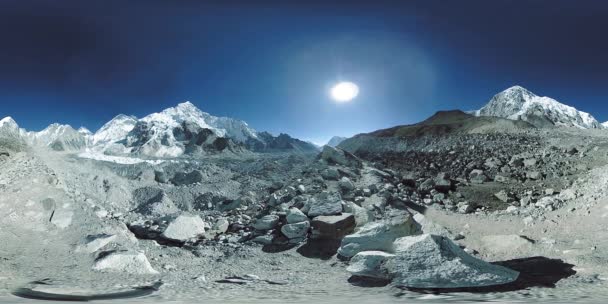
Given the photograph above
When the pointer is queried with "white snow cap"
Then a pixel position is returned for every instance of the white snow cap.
(9, 122)
(517, 102)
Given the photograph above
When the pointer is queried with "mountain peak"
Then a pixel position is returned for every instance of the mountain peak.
(8, 121)
(186, 106)
(518, 103)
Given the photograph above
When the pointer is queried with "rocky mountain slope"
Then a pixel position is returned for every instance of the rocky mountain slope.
(520, 104)
(336, 140)
(441, 125)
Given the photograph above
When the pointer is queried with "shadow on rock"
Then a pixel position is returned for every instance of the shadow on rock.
(29, 293)
(367, 282)
(533, 272)
(274, 248)
(322, 249)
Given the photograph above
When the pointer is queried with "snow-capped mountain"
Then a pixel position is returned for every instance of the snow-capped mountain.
(336, 140)
(59, 137)
(11, 136)
(179, 130)
(184, 129)
(114, 130)
(8, 124)
(517, 103)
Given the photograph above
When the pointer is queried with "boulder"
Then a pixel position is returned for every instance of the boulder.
(124, 261)
(294, 215)
(183, 228)
(296, 230)
(332, 227)
(330, 174)
(266, 222)
(443, 183)
(362, 215)
(378, 236)
(160, 205)
(432, 261)
(95, 242)
(181, 178)
(326, 203)
(229, 205)
(338, 156)
(346, 185)
(369, 264)
(534, 175)
(478, 177)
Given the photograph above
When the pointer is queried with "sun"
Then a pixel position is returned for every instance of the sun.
(344, 91)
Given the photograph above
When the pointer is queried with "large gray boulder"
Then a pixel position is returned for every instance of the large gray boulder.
(296, 230)
(369, 264)
(326, 203)
(332, 227)
(266, 222)
(183, 228)
(338, 156)
(432, 261)
(378, 236)
(124, 261)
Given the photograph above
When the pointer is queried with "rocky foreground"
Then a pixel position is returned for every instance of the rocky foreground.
(430, 215)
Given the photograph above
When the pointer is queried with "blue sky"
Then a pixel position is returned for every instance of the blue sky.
(271, 63)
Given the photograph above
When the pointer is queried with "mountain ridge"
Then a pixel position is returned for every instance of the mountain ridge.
(518, 103)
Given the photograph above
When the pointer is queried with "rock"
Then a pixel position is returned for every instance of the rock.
(362, 215)
(294, 215)
(378, 236)
(326, 203)
(465, 207)
(95, 242)
(301, 189)
(267, 222)
(478, 177)
(503, 196)
(159, 205)
(428, 227)
(229, 205)
(181, 178)
(338, 156)
(567, 195)
(409, 179)
(124, 261)
(546, 202)
(443, 183)
(221, 225)
(161, 177)
(296, 230)
(184, 227)
(346, 185)
(512, 209)
(330, 174)
(530, 162)
(534, 175)
(502, 178)
(263, 239)
(431, 261)
(369, 264)
(62, 218)
(332, 227)
(505, 243)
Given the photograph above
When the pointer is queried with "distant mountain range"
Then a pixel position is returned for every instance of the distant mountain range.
(186, 130)
(176, 131)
